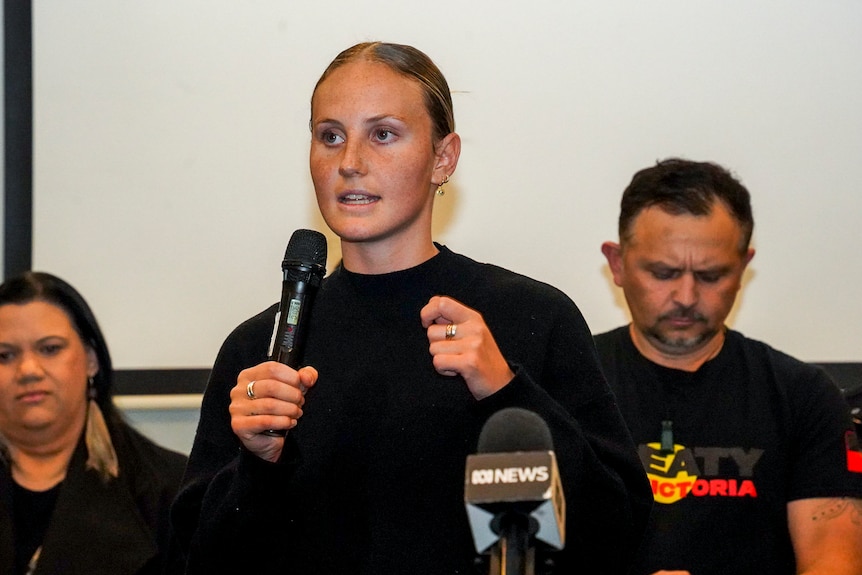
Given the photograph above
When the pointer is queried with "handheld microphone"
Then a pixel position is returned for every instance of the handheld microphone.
(512, 491)
(303, 268)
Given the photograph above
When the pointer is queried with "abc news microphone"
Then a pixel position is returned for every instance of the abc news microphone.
(303, 268)
(513, 493)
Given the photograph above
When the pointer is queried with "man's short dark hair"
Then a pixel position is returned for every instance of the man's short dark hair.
(681, 186)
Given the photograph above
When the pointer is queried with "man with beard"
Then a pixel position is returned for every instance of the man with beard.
(752, 457)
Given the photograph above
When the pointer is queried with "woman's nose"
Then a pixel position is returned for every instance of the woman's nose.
(352, 158)
(29, 367)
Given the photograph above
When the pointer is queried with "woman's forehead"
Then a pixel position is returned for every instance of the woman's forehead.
(364, 83)
(35, 317)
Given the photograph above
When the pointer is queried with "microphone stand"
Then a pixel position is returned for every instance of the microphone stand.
(513, 554)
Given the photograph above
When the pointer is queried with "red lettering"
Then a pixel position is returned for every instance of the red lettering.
(666, 489)
(701, 488)
(717, 487)
(747, 489)
(683, 488)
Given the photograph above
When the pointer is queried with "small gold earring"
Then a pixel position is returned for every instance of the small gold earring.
(440, 190)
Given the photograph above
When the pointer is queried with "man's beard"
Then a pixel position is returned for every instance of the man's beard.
(681, 344)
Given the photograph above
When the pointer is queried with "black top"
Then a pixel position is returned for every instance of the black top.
(118, 527)
(31, 514)
(373, 476)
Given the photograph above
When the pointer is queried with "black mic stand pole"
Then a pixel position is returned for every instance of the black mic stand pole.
(513, 554)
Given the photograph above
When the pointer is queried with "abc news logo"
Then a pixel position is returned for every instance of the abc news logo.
(510, 475)
(517, 475)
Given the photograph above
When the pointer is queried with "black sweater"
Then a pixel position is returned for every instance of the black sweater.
(372, 479)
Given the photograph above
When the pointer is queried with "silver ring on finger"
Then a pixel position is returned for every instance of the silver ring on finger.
(249, 390)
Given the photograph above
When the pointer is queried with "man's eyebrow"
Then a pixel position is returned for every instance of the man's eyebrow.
(663, 265)
(718, 268)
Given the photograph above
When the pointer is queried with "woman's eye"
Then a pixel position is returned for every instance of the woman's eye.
(383, 135)
(331, 138)
(51, 348)
(6, 356)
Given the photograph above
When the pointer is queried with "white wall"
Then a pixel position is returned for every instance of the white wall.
(170, 148)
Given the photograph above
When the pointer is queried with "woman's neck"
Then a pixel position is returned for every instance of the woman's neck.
(368, 259)
(39, 466)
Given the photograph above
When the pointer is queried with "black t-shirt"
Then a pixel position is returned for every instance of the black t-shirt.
(752, 429)
(31, 515)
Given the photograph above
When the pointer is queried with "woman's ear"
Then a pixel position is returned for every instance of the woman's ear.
(92, 362)
(447, 151)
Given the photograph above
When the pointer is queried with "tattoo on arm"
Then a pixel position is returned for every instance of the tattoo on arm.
(835, 507)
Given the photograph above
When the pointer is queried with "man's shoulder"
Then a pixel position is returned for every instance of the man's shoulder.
(614, 349)
(788, 371)
(608, 342)
(757, 349)
(612, 335)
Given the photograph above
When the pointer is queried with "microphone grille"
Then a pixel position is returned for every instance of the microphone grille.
(307, 247)
(515, 429)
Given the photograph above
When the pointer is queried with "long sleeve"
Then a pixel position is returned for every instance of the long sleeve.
(216, 449)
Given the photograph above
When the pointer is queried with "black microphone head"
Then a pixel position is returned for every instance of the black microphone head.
(515, 429)
(307, 248)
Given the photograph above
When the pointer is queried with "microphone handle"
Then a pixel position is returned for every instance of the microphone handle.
(289, 342)
(291, 327)
(513, 554)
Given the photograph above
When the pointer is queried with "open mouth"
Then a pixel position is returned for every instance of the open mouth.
(356, 199)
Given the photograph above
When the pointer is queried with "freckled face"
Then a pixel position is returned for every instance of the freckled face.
(44, 367)
(680, 275)
(372, 155)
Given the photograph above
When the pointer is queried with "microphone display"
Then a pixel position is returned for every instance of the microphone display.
(303, 268)
(512, 491)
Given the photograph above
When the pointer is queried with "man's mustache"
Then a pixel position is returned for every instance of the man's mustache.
(689, 313)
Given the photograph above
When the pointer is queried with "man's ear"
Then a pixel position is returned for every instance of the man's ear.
(613, 253)
(447, 150)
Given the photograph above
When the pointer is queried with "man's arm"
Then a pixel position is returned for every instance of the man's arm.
(826, 535)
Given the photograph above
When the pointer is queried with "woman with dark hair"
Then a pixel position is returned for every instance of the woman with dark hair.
(80, 490)
(411, 347)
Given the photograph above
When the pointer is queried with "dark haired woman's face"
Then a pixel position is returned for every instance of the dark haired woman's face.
(372, 155)
(44, 367)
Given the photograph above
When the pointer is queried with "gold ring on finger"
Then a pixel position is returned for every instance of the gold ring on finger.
(451, 330)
